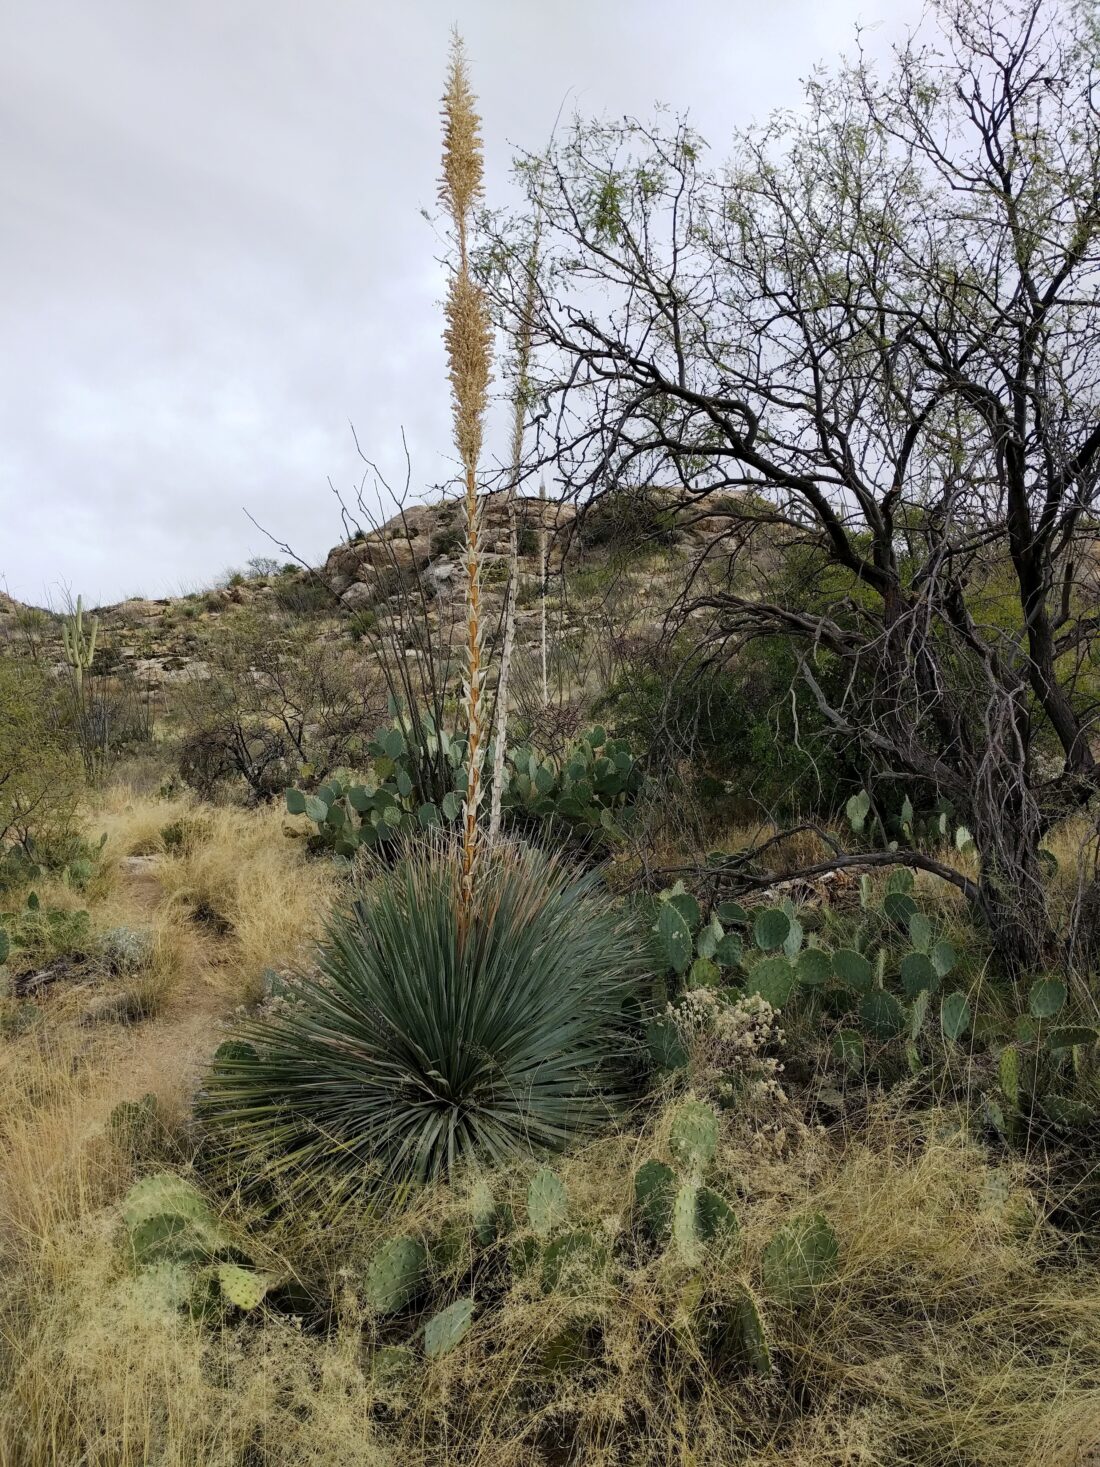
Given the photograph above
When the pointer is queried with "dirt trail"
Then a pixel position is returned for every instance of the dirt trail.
(167, 1052)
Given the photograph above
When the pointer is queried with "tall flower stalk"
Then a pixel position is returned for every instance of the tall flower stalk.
(520, 398)
(468, 338)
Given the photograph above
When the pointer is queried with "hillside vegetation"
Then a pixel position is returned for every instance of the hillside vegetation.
(607, 978)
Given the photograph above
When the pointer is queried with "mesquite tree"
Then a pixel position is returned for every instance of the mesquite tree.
(873, 339)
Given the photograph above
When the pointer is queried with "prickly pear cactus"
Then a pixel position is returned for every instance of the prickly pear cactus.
(917, 973)
(955, 1016)
(168, 1218)
(693, 1138)
(773, 978)
(881, 1015)
(673, 938)
(714, 1217)
(396, 1274)
(242, 1287)
(391, 1364)
(853, 969)
(165, 1194)
(771, 928)
(568, 1348)
(448, 1328)
(654, 1190)
(749, 1325)
(167, 1237)
(547, 1203)
(570, 1263)
(800, 1258)
(175, 1240)
(163, 1288)
(136, 1124)
(685, 1229)
(483, 1211)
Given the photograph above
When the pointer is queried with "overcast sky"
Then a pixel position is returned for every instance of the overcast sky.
(212, 255)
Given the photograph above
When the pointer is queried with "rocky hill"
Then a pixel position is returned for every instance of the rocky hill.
(160, 641)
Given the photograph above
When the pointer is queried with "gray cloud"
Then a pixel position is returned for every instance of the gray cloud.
(213, 254)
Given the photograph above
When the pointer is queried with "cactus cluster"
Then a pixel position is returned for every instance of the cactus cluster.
(671, 1202)
(878, 986)
(939, 823)
(183, 1255)
(42, 932)
(590, 791)
(373, 815)
(1048, 1070)
(421, 1284)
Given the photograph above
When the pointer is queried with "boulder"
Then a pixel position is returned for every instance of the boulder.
(438, 576)
(358, 596)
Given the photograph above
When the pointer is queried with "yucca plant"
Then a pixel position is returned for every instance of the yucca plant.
(425, 1043)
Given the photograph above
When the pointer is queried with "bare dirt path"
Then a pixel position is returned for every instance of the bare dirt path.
(167, 1052)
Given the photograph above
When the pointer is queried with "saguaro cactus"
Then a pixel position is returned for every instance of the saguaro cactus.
(79, 644)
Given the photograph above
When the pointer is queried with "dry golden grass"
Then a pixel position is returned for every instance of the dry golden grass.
(90, 1372)
(253, 886)
(133, 821)
(953, 1332)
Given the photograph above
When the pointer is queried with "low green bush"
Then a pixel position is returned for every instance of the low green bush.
(729, 730)
(625, 520)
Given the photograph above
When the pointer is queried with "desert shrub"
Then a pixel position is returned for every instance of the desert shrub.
(448, 541)
(274, 707)
(730, 730)
(40, 778)
(360, 623)
(303, 596)
(629, 519)
(125, 950)
(422, 1046)
(232, 749)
